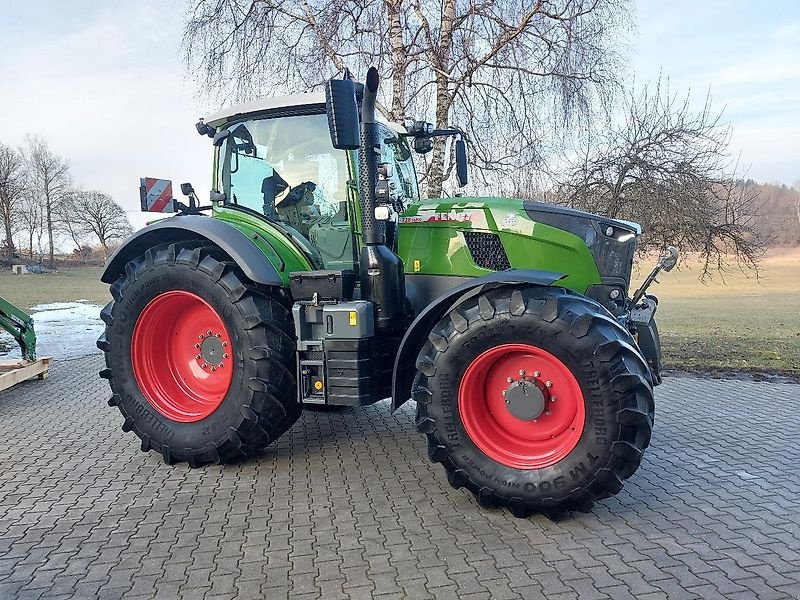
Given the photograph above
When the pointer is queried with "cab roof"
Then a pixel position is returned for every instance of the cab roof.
(264, 104)
(231, 113)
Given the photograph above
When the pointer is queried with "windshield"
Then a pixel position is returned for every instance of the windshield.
(272, 165)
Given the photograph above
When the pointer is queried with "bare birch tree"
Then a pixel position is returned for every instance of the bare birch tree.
(508, 71)
(50, 181)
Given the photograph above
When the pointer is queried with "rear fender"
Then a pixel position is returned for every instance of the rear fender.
(253, 262)
(417, 333)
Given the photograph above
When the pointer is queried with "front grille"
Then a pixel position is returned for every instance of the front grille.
(487, 250)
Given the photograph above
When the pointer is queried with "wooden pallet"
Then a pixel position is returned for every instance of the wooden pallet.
(14, 372)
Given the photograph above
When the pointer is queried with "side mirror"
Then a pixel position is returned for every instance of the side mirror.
(342, 109)
(204, 128)
(461, 162)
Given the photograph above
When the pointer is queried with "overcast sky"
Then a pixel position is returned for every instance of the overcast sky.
(105, 85)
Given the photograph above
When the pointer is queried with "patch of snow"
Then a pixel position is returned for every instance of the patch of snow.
(63, 330)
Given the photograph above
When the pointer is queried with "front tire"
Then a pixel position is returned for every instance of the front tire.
(535, 399)
(200, 362)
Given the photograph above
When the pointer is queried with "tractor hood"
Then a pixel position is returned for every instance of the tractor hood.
(520, 234)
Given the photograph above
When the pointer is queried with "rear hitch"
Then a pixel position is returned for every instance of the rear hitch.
(665, 263)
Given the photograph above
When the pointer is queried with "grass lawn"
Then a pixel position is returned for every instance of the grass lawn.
(68, 285)
(739, 325)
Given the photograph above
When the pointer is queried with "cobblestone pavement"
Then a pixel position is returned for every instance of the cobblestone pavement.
(346, 505)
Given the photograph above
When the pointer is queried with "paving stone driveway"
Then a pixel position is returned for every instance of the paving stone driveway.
(345, 505)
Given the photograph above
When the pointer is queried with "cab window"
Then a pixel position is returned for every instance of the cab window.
(286, 169)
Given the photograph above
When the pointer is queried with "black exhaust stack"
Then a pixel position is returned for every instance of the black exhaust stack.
(380, 270)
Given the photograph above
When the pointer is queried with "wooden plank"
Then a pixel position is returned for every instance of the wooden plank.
(10, 365)
(23, 373)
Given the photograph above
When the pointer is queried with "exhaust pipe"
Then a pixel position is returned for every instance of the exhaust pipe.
(380, 270)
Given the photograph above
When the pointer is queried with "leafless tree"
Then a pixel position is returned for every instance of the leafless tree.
(12, 173)
(103, 218)
(507, 71)
(50, 181)
(67, 218)
(667, 167)
(31, 219)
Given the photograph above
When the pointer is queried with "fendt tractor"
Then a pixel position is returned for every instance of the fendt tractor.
(317, 276)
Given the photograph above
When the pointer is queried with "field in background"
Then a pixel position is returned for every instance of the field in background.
(26, 291)
(741, 324)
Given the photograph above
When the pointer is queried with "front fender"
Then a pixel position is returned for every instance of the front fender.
(417, 333)
(253, 262)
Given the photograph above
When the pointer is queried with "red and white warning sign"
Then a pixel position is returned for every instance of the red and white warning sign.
(156, 195)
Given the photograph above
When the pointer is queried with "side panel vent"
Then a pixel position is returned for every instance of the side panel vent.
(487, 250)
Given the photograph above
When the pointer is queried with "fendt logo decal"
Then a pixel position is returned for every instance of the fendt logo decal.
(452, 216)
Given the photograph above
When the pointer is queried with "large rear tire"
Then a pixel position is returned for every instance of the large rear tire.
(534, 398)
(201, 363)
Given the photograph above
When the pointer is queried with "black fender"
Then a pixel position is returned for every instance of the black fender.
(253, 262)
(417, 333)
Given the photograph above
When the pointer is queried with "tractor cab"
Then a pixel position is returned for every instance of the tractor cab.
(274, 159)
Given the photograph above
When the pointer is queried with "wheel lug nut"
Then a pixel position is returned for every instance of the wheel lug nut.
(510, 379)
(504, 392)
(219, 335)
(197, 357)
(200, 336)
(547, 412)
(197, 345)
(213, 368)
(536, 373)
(224, 344)
(522, 372)
(220, 365)
(548, 384)
(205, 365)
(209, 332)
(536, 420)
(552, 398)
(225, 355)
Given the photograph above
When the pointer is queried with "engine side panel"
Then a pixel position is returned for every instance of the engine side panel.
(475, 237)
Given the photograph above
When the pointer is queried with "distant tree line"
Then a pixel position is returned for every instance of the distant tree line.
(39, 202)
(777, 213)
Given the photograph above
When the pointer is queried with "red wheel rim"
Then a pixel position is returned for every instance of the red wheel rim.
(180, 354)
(512, 379)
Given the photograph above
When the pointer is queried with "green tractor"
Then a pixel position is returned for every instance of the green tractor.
(318, 277)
